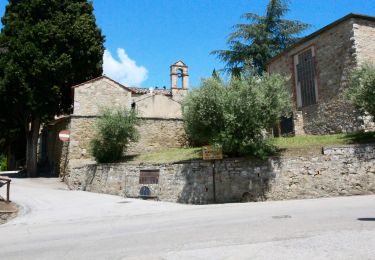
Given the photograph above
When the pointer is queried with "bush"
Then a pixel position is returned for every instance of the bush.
(3, 163)
(361, 90)
(115, 129)
(235, 115)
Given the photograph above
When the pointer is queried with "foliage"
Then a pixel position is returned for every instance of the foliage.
(254, 43)
(362, 87)
(115, 129)
(235, 115)
(3, 163)
(47, 46)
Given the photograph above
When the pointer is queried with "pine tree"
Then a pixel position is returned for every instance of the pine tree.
(50, 45)
(254, 43)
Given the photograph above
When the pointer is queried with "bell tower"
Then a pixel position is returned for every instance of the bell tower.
(179, 70)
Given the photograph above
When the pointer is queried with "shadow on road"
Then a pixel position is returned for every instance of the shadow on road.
(123, 202)
(366, 219)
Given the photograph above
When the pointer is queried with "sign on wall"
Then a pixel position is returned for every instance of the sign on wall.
(211, 153)
(64, 135)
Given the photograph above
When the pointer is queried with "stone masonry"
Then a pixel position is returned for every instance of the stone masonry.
(155, 134)
(338, 48)
(339, 171)
(159, 110)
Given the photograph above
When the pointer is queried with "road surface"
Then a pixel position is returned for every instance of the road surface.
(55, 223)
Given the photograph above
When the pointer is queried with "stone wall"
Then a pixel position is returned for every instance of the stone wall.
(364, 33)
(335, 56)
(82, 130)
(89, 97)
(155, 134)
(340, 171)
(160, 126)
(158, 106)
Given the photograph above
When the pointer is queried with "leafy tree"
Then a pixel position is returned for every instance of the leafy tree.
(115, 129)
(235, 115)
(361, 91)
(254, 43)
(203, 111)
(50, 45)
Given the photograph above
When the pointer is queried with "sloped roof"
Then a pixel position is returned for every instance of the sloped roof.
(179, 63)
(320, 31)
(104, 77)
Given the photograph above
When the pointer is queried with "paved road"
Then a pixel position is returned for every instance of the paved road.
(59, 224)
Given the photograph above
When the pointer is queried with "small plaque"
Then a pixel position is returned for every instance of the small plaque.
(210, 153)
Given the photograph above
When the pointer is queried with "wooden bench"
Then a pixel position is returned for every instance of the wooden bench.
(4, 180)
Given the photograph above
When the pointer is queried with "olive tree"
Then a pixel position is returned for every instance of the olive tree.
(361, 90)
(115, 129)
(235, 114)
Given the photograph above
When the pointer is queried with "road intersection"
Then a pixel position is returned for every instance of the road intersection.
(55, 223)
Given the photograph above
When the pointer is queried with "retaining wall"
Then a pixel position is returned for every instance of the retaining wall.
(339, 171)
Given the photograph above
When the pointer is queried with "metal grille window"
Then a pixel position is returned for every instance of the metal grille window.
(306, 78)
(149, 177)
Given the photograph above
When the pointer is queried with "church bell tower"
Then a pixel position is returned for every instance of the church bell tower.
(179, 70)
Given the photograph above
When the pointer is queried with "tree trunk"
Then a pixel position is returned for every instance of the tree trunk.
(32, 147)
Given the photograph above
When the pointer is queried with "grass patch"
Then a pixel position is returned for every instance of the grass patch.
(169, 155)
(297, 145)
(312, 144)
(308, 141)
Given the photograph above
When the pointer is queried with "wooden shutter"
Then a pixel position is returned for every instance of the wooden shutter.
(306, 77)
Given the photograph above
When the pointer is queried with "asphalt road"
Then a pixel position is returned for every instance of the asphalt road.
(55, 223)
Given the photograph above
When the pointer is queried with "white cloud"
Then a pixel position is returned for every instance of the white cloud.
(124, 71)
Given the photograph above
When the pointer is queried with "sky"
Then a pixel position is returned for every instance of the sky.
(144, 37)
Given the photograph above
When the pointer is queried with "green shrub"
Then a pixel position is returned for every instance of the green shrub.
(115, 129)
(3, 163)
(361, 90)
(235, 115)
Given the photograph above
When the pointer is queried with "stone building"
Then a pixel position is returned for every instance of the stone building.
(159, 110)
(318, 66)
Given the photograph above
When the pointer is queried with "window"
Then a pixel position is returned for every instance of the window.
(149, 177)
(306, 81)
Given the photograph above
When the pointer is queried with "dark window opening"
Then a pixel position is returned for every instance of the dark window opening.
(149, 176)
(179, 78)
(306, 78)
(145, 191)
(285, 127)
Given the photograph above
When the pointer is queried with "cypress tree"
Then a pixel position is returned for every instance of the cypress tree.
(48, 46)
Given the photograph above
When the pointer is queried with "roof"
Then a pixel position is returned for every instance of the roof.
(325, 28)
(58, 119)
(104, 77)
(179, 63)
(166, 92)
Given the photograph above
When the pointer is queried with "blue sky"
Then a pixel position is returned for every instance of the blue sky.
(144, 37)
